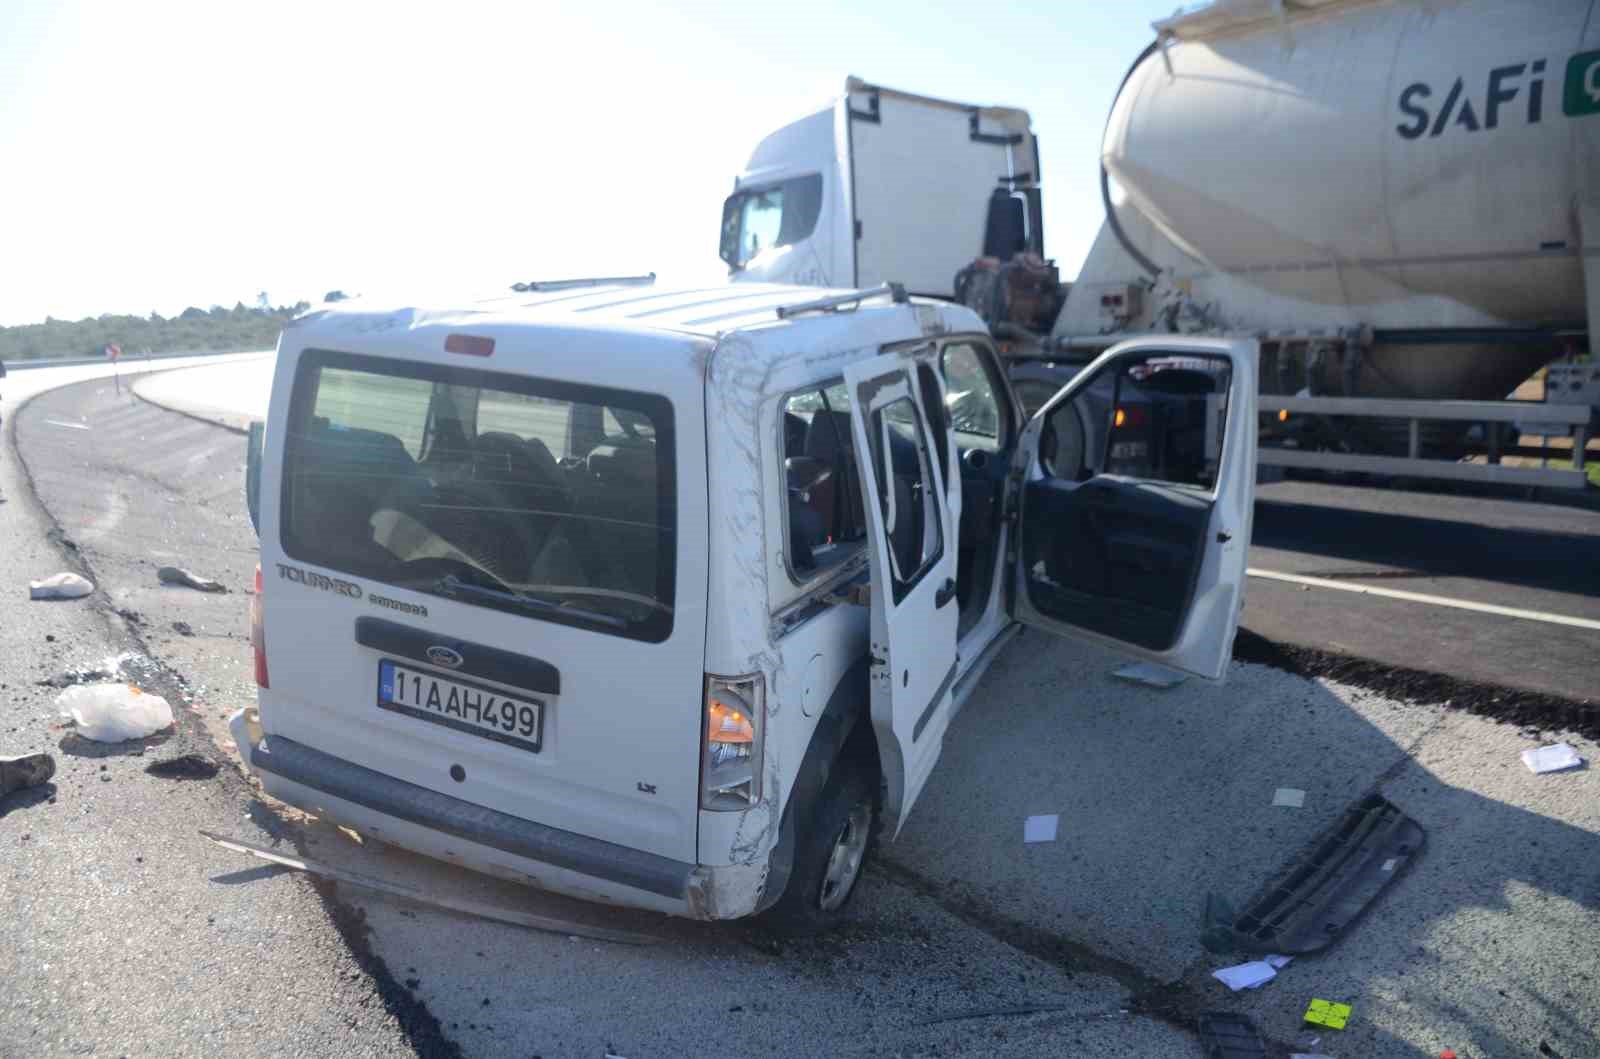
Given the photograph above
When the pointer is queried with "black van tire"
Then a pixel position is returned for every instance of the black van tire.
(845, 812)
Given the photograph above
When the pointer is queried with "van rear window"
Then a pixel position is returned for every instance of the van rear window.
(542, 498)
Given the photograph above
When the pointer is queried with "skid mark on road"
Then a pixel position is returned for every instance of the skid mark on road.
(1430, 600)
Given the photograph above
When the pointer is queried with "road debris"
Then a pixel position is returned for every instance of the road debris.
(1328, 1013)
(465, 906)
(175, 575)
(182, 628)
(1308, 906)
(183, 767)
(25, 770)
(114, 713)
(1252, 975)
(1040, 828)
(1557, 757)
(1149, 674)
(1225, 1035)
(1289, 797)
(65, 585)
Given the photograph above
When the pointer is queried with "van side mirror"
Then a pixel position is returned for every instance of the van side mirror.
(252, 473)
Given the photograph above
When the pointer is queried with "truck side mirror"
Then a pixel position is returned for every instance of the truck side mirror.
(732, 207)
(252, 473)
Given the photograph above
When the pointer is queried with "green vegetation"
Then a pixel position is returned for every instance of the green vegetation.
(215, 329)
(1591, 467)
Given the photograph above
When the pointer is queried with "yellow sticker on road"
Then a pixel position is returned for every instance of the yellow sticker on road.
(1327, 1013)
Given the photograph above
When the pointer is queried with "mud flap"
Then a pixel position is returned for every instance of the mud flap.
(1315, 901)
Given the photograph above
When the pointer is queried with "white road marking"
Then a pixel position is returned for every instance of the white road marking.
(1423, 597)
(74, 426)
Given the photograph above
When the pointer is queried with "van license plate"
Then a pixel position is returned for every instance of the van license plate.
(510, 719)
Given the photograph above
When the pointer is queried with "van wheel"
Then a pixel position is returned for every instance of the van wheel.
(830, 854)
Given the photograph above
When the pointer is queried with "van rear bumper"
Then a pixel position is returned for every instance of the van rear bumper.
(488, 840)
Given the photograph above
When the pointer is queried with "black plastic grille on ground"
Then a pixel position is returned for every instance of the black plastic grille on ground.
(1224, 1035)
(1312, 904)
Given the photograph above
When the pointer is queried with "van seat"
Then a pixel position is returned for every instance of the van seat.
(616, 528)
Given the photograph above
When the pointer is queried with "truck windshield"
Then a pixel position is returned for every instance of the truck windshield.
(757, 219)
(540, 498)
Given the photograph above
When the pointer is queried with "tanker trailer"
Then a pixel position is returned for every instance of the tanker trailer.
(1401, 199)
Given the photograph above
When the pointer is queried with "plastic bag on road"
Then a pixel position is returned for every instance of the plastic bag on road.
(113, 713)
(60, 586)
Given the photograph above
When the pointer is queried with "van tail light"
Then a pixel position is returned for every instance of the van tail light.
(258, 639)
(730, 757)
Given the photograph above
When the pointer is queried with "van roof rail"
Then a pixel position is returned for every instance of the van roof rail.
(834, 302)
(591, 281)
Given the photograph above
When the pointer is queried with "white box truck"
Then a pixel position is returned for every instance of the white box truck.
(843, 196)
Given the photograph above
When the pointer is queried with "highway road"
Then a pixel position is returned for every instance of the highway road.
(965, 940)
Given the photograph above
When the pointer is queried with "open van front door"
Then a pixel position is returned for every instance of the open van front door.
(1134, 489)
(911, 548)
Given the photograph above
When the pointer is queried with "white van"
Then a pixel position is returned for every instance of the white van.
(667, 598)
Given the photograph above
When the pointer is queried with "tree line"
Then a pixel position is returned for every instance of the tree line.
(212, 330)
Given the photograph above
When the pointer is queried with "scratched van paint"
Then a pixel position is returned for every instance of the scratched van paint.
(667, 598)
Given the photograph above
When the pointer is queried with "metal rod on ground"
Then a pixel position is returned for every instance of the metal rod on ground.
(454, 904)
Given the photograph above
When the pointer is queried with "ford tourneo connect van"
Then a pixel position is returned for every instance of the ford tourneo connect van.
(667, 598)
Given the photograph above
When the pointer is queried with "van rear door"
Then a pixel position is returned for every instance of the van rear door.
(472, 586)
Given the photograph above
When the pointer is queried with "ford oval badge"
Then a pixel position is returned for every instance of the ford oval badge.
(445, 656)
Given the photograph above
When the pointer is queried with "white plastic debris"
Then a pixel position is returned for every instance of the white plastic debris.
(113, 713)
(1252, 975)
(177, 575)
(60, 586)
(1557, 757)
(1150, 675)
(1040, 828)
(1289, 797)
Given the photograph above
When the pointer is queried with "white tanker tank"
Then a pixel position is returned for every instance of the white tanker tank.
(1422, 179)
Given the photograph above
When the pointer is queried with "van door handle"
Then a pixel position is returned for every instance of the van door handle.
(946, 593)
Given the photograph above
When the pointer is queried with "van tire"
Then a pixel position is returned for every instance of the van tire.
(844, 818)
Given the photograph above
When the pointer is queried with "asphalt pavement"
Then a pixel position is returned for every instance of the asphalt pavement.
(142, 488)
(123, 935)
(964, 941)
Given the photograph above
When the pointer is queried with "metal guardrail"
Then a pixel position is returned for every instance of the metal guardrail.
(1575, 417)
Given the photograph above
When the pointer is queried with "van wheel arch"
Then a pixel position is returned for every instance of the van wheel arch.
(842, 739)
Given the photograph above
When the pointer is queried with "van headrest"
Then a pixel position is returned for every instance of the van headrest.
(828, 438)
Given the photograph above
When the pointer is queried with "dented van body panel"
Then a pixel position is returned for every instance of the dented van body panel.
(528, 563)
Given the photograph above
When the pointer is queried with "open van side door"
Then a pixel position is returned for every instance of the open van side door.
(1133, 489)
(911, 549)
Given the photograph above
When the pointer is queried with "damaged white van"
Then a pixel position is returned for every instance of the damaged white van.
(667, 598)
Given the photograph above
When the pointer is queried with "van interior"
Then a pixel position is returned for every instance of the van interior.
(436, 479)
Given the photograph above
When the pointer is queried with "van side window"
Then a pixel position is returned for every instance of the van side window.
(1159, 419)
(907, 495)
(976, 413)
(823, 494)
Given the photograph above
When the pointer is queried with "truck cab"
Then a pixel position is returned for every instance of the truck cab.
(667, 598)
(847, 196)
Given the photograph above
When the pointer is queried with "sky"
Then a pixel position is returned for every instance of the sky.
(165, 154)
